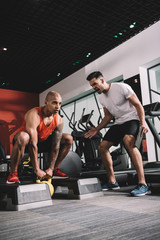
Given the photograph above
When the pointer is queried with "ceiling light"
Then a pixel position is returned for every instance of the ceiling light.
(88, 55)
(75, 63)
(132, 25)
(4, 84)
(48, 81)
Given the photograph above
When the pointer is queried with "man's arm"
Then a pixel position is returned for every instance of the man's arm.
(140, 111)
(93, 131)
(32, 121)
(56, 139)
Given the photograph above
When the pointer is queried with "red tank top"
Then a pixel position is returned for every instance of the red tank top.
(43, 130)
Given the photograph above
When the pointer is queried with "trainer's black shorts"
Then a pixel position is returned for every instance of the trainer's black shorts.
(117, 132)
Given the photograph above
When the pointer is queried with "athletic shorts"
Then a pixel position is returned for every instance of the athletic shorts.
(45, 146)
(117, 132)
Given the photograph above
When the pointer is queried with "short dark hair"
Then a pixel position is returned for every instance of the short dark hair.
(96, 75)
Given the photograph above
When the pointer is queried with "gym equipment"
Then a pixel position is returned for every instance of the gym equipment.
(25, 168)
(3, 157)
(89, 147)
(77, 188)
(152, 169)
(84, 146)
(49, 182)
(120, 158)
(153, 178)
(25, 196)
(71, 164)
(2, 154)
(151, 111)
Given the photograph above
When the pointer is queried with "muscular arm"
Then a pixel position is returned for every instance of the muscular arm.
(107, 118)
(140, 111)
(93, 131)
(56, 139)
(32, 121)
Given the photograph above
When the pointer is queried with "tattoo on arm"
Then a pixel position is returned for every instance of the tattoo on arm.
(56, 139)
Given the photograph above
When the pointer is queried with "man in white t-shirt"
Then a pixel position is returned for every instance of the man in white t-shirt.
(121, 103)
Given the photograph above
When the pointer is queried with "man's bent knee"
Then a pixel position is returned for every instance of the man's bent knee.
(67, 139)
(22, 138)
(104, 146)
(129, 141)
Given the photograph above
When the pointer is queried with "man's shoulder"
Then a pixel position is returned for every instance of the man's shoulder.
(119, 84)
(32, 112)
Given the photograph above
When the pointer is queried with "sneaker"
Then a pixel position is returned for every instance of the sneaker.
(110, 186)
(13, 178)
(140, 190)
(58, 173)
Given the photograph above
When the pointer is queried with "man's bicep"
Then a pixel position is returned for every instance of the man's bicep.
(133, 99)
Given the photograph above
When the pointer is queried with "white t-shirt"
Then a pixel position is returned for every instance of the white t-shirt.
(117, 103)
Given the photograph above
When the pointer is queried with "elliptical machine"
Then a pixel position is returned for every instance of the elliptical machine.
(86, 148)
(89, 147)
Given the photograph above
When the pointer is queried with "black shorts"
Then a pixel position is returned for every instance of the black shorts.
(117, 132)
(45, 146)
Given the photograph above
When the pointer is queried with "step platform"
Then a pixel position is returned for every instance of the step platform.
(74, 188)
(18, 197)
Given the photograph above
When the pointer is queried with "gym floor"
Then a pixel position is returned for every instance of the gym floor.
(116, 215)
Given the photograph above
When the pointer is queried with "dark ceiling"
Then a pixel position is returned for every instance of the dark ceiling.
(47, 40)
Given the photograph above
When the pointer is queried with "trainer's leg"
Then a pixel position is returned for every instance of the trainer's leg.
(21, 140)
(107, 159)
(65, 146)
(129, 141)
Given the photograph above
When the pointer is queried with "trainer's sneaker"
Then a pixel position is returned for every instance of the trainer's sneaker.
(110, 186)
(58, 173)
(140, 190)
(13, 178)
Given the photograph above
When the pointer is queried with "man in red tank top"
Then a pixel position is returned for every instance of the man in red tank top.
(42, 127)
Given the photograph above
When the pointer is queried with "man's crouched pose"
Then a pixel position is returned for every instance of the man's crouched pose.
(41, 129)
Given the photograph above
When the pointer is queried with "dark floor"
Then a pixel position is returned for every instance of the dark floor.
(116, 215)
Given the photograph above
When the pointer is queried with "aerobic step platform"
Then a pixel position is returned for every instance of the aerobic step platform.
(22, 197)
(73, 188)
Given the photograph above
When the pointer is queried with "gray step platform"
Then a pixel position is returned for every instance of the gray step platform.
(74, 188)
(22, 197)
